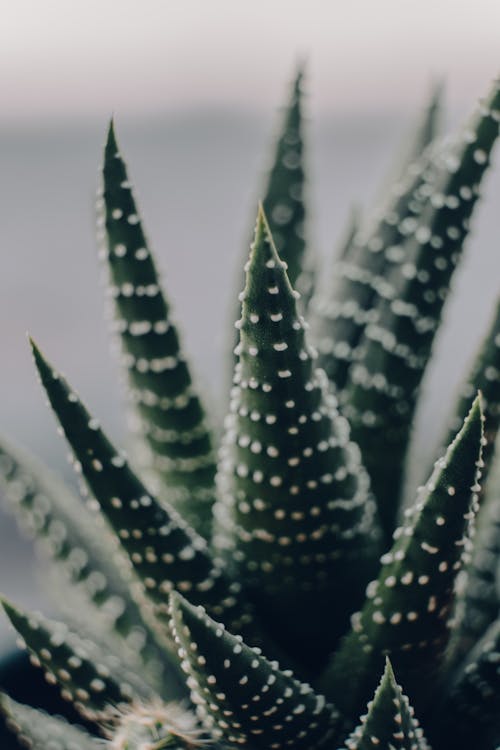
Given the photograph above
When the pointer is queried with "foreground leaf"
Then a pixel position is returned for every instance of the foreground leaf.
(407, 608)
(225, 676)
(171, 419)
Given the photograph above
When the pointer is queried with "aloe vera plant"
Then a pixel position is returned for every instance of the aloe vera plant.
(270, 597)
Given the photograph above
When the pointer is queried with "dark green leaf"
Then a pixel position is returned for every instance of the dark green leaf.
(342, 308)
(478, 596)
(296, 517)
(93, 680)
(171, 419)
(164, 551)
(39, 731)
(396, 345)
(240, 695)
(472, 707)
(79, 546)
(484, 376)
(407, 609)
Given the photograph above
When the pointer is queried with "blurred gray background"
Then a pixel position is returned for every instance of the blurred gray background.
(195, 88)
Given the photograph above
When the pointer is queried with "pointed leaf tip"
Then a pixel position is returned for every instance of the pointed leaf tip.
(111, 143)
(224, 676)
(263, 256)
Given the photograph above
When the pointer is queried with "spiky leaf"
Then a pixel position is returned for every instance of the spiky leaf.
(240, 695)
(296, 516)
(82, 550)
(425, 131)
(407, 608)
(484, 376)
(171, 418)
(39, 731)
(397, 341)
(154, 726)
(164, 551)
(88, 677)
(389, 721)
(478, 597)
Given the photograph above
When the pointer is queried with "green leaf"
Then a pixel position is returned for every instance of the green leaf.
(240, 695)
(484, 376)
(284, 195)
(425, 131)
(472, 707)
(81, 549)
(93, 680)
(164, 551)
(171, 420)
(389, 721)
(407, 608)
(342, 308)
(478, 597)
(396, 345)
(39, 731)
(296, 516)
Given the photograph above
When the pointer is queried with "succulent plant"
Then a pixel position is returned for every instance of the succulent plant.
(277, 595)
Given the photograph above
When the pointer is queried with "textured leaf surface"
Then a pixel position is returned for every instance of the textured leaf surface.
(342, 308)
(389, 721)
(39, 731)
(170, 419)
(82, 550)
(284, 196)
(472, 708)
(155, 726)
(240, 695)
(397, 343)
(164, 551)
(283, 199)
(407, 608)
(296, 516)
(484, 376)
(478, 598)
(89, 678)
(427, 129)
